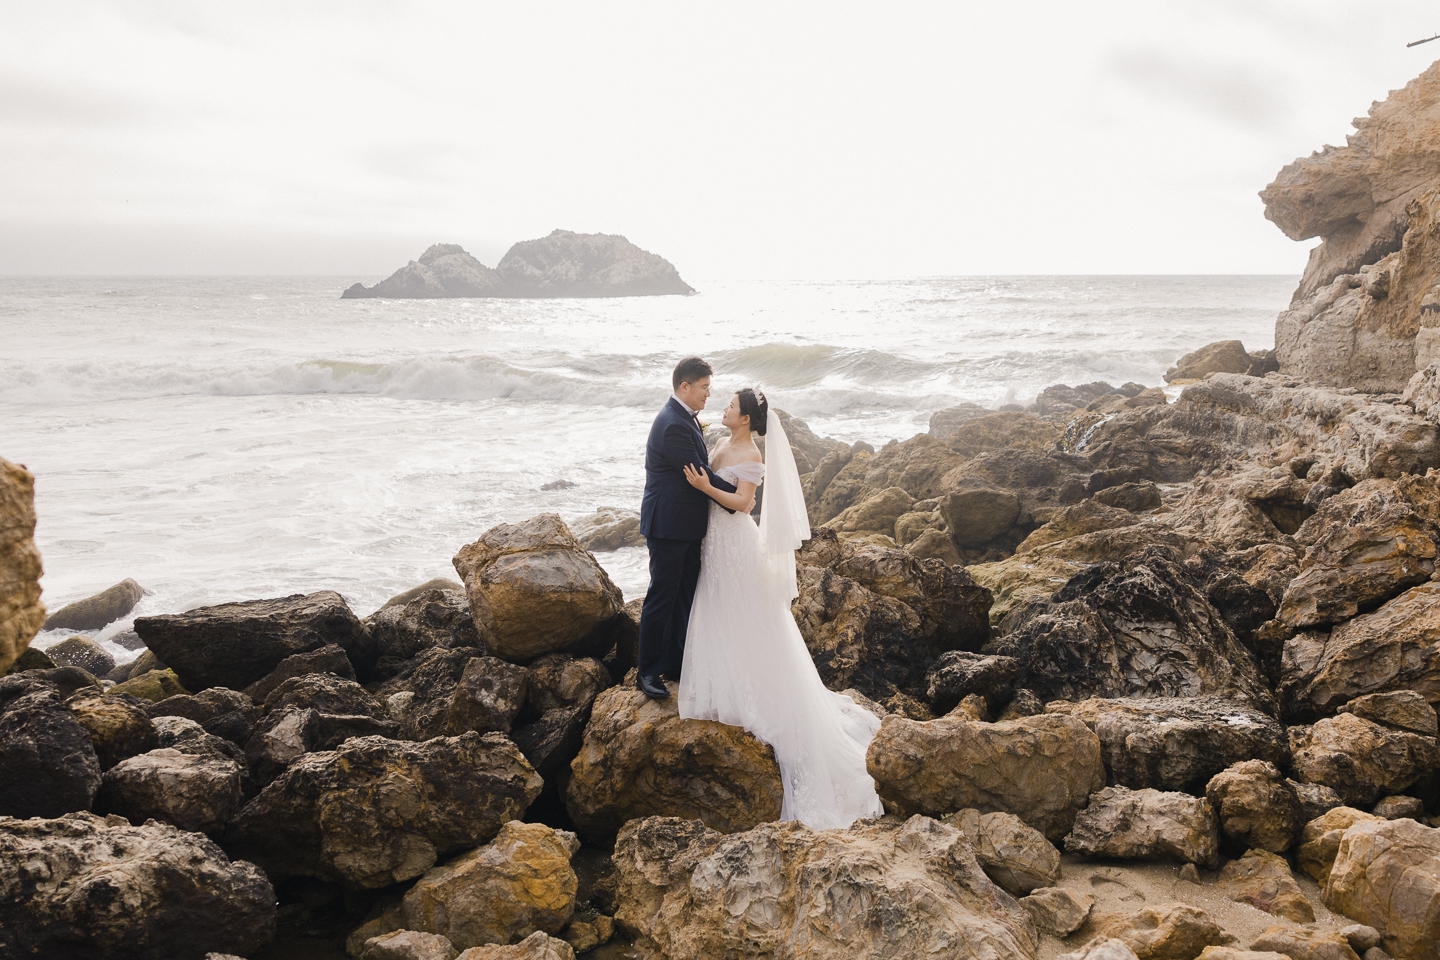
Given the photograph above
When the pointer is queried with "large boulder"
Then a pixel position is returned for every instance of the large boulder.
(1175, 743)
(194, 791)
(80, 651)
(1222, 356)
(1011, 853)
(101, 610)
(1320, 840)
(443, 270)
(1360, 759)
(438, 617)
(21, 612)
(534, 590)
(567, 264)
(640, 759)
(959, 674)
(1172, 931)
(1401, 710)
(1135, 629)
(1147, 825)
(880, 889)
(1387, 874)
(443, 692)
(88, 887)
(1042, 769)
(1257, 807)
(1264, 881)
(225, 713)
(609, 528)
(235, 644)
(50, 766)
(327, 659)
(119, 726)
(375, 811)
(502, 892)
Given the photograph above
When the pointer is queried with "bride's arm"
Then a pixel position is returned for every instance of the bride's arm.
(743, 499)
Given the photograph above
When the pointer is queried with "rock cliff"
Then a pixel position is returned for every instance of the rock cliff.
(21, 612)
(564, 264)
(1358, 318)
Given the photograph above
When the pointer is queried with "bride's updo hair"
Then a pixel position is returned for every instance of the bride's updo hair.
(754, 406)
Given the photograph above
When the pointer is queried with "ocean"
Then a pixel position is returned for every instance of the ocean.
(232, 438)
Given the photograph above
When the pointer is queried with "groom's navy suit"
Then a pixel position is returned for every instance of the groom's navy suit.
(673, 520)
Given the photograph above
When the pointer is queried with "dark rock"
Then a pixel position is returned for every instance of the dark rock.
(226, 713)
(113, 890)
(128, 639)
(98, 611)
(119, 726)
(376, 811)
(444, 270)
(566, 264)
(141, 665)
(626, 653)
(1060, 399)
(420, 696)
(1135, 497)
(488, 696)
(50, 767)
(152, 685)
(328, 659)
(82, 652)
(434, 618)
(979, 513)
(438, 583)
(944, 422)
(68, 680)
(558, 682)
(1224, 356)
(235, 644)
(553, 741)
(192, 790)
(958, 673)
(324, 693)
(1316, 799)
(31, 659)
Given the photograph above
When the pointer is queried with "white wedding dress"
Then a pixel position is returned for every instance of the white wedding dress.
(746, 664)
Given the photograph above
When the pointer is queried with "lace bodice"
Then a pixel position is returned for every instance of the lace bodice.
(747, 472)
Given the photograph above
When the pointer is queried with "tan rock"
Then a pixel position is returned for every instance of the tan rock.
(1305, 943)
(1042, 769)
(1263, 880)
(1056, 911)
(1359, 759)
(1398, 808)
(910, 526)
(1087, 516)
(193, 791)
(1387, 875)
(1320, 840)
(1012, 854)
(409, 945)
(882, 888)
(1174, 931)
(1022, 577)
(537, 946)
(609, 528)
(639, 759)
(502, 892)
(153, 686)
(1107, 948)
(1256, 805)
(978, 513)
(917, 466)
(1234, 953)
(1002, 430)
(21, 612)
(118, 729)
(934, 543)
(877, 513)
(1223, 356)
(1401, 710)
(98, 611)
(534, 590)
(1147, 825)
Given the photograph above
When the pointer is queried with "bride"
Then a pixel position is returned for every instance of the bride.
(745, 662)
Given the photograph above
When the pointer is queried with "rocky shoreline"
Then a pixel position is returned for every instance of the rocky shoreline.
(1157, 679)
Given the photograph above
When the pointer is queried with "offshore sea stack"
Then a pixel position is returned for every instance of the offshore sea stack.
(1367, 311)
(564, 264)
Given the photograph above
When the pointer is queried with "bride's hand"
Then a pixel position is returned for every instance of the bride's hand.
(698, 478)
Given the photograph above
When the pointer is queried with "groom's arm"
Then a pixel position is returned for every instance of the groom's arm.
(679, 446)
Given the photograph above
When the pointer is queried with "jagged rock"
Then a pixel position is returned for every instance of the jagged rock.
(979, 513)
(1399, 808)
(443, 270)
(49, 762)
(1172, 743)
(91, 887)
(1147, 825)
(1320, 840)
(1056, 911)
(639, 759)
(327, 659)
(1359, 759)
(82, 652)
(439, 617)
(1087, 516)
(324, 693)
(1256, 806)
(566, 264)
(1042, 769)
(502, 892)
(226, 713)
(1362, 937)
(375, 812)
(1135, 497)
(1222, 356)
(409, 945)
(875, 514)
(918, 466)
(1021, 578)
(235, 644)
(1175, 931)
(561, 692)
(1391, 649)
(192, 791)
(1316, 799)
(1304, 943)
(119, 727)
(21, 612)
(315, 711)
(444, 701)
(958, 673)
(881, 888)
(101, 610)
(609, 528)
(534, 590)
(140, 666)
(552, 742)
(1402, 710)
(1263, 880)
(537, 946)
(1387, 875)
(558, 682)
(1106, 948)
(1061, 398)
(487, 697)
(943, 422)
(1135, 629)
(1002, 430)
(1012, 854)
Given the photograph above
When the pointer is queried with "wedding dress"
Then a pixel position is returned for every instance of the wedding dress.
(746, 663)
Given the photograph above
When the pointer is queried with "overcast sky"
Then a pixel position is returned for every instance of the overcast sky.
(739, 140)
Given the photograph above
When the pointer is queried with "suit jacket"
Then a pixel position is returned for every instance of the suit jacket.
(671, 508)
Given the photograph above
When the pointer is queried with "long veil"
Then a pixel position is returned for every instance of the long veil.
(784, 525)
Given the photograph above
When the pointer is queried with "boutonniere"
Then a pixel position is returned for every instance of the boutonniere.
(702, 425)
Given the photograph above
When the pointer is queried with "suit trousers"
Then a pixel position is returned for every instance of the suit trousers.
(674, 572)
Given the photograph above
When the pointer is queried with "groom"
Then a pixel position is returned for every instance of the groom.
(673, 519)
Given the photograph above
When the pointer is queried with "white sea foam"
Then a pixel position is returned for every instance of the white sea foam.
(224, 439)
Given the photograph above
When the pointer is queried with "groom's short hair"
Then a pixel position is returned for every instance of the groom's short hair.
(690, 370)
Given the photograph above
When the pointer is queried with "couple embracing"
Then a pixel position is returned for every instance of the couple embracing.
(717, 615)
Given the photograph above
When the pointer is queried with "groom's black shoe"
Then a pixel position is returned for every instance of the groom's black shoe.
(651, 687)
